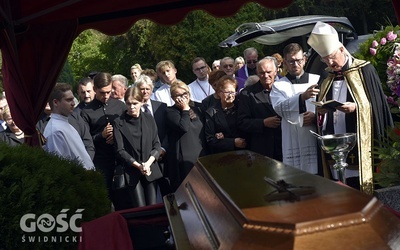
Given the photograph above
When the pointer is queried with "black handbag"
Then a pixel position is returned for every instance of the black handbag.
(119, 179)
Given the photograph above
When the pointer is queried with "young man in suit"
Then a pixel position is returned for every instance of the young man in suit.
(99, 114)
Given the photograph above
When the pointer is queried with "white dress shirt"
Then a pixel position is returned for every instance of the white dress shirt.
(64, 140)
(163, 94)
(200, 90)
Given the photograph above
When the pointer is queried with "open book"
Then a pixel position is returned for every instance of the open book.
(330, 105)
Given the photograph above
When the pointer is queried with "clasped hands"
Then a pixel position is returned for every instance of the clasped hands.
(145, 168)
(108, 134)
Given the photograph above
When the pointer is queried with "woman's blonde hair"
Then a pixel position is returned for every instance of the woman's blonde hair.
(137, 66)
(178, 84)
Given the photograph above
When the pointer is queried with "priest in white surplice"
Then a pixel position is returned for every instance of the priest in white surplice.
(291, 98)
(200, 88)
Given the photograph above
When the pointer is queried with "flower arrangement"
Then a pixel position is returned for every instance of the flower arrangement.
(387, 151)
(383, 51)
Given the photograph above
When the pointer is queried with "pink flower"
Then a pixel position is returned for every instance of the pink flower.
(391, 36)
(383, 41)
(372, 51)
(390, 99)
(374, 44)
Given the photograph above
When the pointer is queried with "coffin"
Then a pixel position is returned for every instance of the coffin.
(224, 204)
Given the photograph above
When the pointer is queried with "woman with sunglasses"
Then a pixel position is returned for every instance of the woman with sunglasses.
(185, 134)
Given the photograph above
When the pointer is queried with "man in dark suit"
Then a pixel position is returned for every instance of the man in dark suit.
(158, 111)
(85, 93)
(256, 116)
(99, 114)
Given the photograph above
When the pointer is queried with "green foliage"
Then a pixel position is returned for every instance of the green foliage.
(33, 181)
(85, 55)
(66, 75)
(387, 151)
(132, 47)
(379, 60)
(199, 34)
(148, 43)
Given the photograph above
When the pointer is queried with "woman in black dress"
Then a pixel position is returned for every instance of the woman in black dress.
(185, 134)
(137, 148)
(221, 128)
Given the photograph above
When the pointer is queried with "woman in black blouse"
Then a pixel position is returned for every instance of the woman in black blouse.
(185, 134)
(137, 148)
(221, 128)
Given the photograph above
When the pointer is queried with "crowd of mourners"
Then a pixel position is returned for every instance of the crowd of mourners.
(155, 127)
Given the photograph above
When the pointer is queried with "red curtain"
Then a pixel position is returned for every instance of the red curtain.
(32, 61)
(396, 7)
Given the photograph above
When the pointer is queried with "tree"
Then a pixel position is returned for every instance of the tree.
(85, 55)
(199, 34)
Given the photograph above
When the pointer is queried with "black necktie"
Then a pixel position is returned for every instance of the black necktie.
(146, 108)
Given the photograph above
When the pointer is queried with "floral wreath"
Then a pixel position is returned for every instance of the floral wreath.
(383, 51)
(385, 56)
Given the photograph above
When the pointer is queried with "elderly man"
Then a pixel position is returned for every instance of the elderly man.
(119, 87)
(291, 98)
(155, 108)
(365, 111)
(158, 111)
(256, 116)
(227, 64)
(251, 58)
(200, 88)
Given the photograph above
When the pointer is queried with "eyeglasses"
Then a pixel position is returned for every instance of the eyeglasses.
(200, 69)
(183, 95)
(329, 58)
(228, 93)
(251, 61)
(298, 61)
(227, 65)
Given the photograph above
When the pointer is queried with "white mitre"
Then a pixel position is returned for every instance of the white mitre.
(324, 39)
